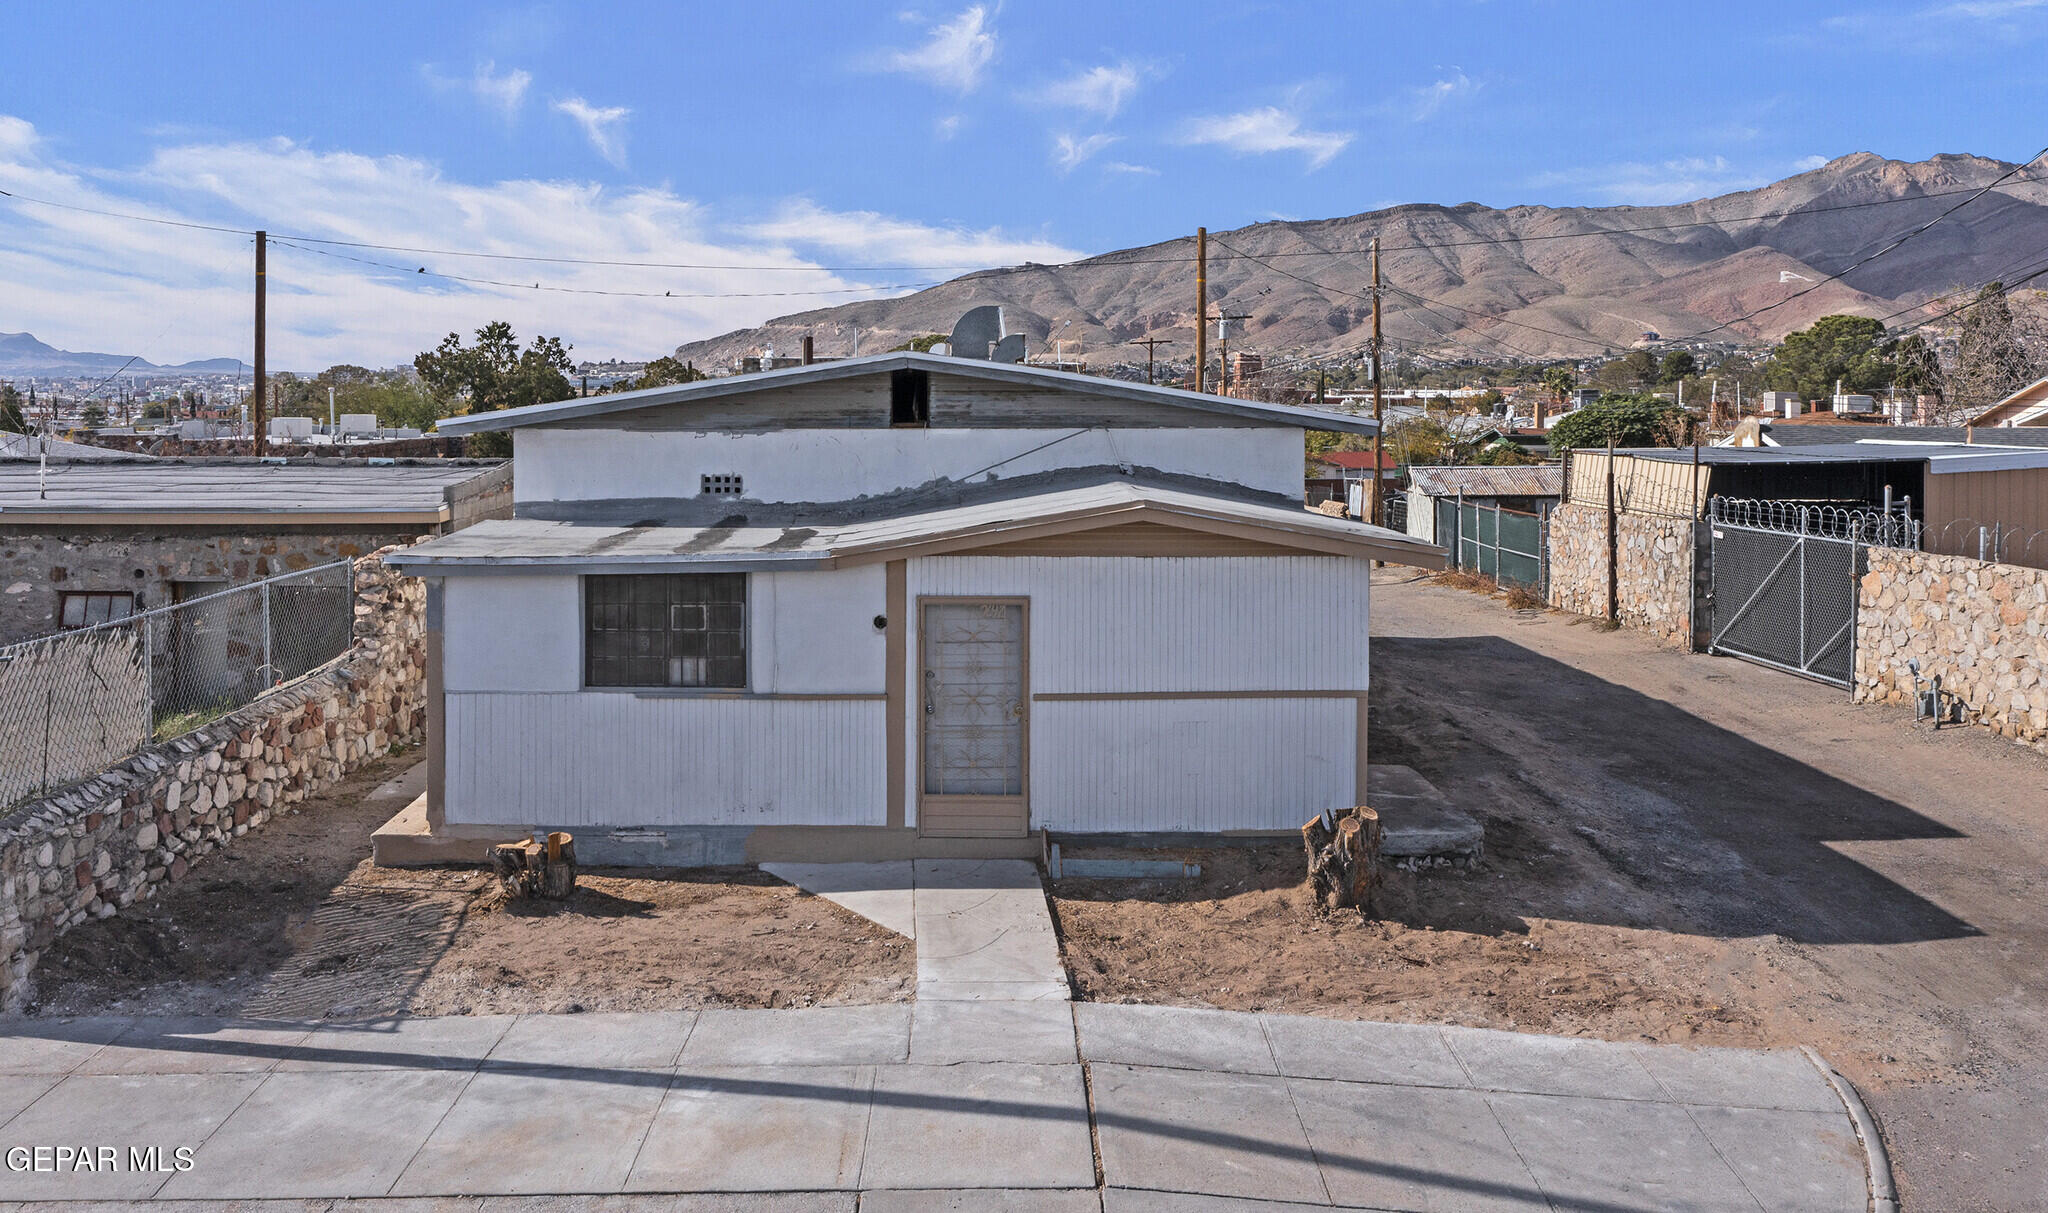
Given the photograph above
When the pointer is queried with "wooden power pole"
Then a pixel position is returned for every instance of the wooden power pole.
(256, 411)
(1379, 509)
(1201, 304)
(1149, 343)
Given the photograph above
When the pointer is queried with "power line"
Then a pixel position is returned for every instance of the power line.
(1109, 258)
(578, 290)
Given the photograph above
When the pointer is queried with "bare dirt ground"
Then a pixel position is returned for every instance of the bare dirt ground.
(1680, 848)
(294, 922)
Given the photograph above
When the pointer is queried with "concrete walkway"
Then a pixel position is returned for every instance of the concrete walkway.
(1019, 1105)
(982, 928)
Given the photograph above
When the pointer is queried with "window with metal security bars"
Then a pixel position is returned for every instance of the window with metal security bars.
(671, 630)
(720, 485)
(82, 610)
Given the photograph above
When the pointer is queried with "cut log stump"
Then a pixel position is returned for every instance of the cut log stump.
(1344, 858)
(536, 869)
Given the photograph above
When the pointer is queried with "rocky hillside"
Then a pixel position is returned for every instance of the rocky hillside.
(1524, 281)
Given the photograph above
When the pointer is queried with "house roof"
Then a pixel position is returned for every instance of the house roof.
(1358, 459)
(2026, 407)
(1541, 480)
(526, 544)
(1940, 457)
(876, 364)
(195, 491)
(35, 446)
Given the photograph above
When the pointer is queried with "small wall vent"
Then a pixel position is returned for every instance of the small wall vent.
(724, 484)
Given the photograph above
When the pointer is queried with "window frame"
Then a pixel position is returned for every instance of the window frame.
(64, 598)
(585, 606)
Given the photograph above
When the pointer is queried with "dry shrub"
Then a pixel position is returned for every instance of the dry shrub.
(1522, 598)
(1465, 579)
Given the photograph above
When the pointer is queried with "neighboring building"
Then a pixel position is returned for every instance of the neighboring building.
(1524, 490)
(2026, 407)
(1954, 489)
(894, 605)
(1339, 475)
(1826, 429)
(86, 541)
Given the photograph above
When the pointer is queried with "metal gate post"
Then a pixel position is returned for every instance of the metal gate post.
(269, 670)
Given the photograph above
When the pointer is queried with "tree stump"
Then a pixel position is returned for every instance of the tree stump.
(536, 869)
(1344, 858)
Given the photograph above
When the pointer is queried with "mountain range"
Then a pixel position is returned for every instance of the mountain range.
(22, 354)
(1482, 282)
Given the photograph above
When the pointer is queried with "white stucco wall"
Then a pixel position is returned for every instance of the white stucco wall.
(837, 465)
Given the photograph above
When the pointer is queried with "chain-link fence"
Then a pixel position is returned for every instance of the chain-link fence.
(1510, 546)
(75, 703)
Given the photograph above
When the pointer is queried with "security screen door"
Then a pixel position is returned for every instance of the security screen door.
(974, 719)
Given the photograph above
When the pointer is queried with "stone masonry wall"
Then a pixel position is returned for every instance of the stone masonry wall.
(101, 845)
(1983, 628)
(37, 566)
(1655, 583)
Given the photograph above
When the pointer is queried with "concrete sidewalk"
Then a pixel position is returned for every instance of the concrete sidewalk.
(945, 1104)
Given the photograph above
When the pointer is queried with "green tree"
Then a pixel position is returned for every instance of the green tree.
(495, 374)
(11, 418)
(920, 345)
(1421, 440)
(94, 416)
(1915, 367)
(1847, 349)
(1677, 365)
(1560, 382)
(667, 370)
(1630, 419)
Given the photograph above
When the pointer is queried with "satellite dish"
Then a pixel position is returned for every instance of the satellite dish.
(1009, 349)
(977, 331)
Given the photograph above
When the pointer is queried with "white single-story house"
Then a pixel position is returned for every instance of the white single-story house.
(899, 605)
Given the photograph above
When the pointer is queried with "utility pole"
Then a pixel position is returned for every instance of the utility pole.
(1379, 511)
(1149, 343)
(331, 435)
(256, 414)
(1201, 304)
(1223, 320)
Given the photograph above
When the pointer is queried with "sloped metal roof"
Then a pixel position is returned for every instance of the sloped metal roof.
(168, 488)
(876, 364)
(522, 544)
(1540, 480)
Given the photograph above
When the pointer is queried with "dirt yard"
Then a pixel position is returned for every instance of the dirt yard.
(1680, 848)
(294, 922)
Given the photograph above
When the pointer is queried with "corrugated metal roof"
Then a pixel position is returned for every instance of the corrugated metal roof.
(874, 364)
(1938, 456)
(1539, 480)
(1824, 435)
(174, 486)
(527, 542)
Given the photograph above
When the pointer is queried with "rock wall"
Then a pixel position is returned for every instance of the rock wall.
(1655, 584)
(38, 568)
(95, 847)
(1983, 628)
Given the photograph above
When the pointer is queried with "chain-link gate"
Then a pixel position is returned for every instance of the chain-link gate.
(1784, 581)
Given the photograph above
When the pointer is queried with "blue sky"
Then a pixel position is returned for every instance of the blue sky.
(792, 139)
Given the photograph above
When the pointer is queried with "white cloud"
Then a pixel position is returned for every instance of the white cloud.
(881, 240)
(1806, 164)
(1660, 183)
(601, 125)
(88, 282)
(1266, 129)
(1099, 90)
(1069, 152)
(1125, 166)
(953, 55)
(503, 92)
(1432, 97)
(948, 126)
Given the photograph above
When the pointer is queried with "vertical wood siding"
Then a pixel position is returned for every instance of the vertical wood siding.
(1193, 764)
(598, 759)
